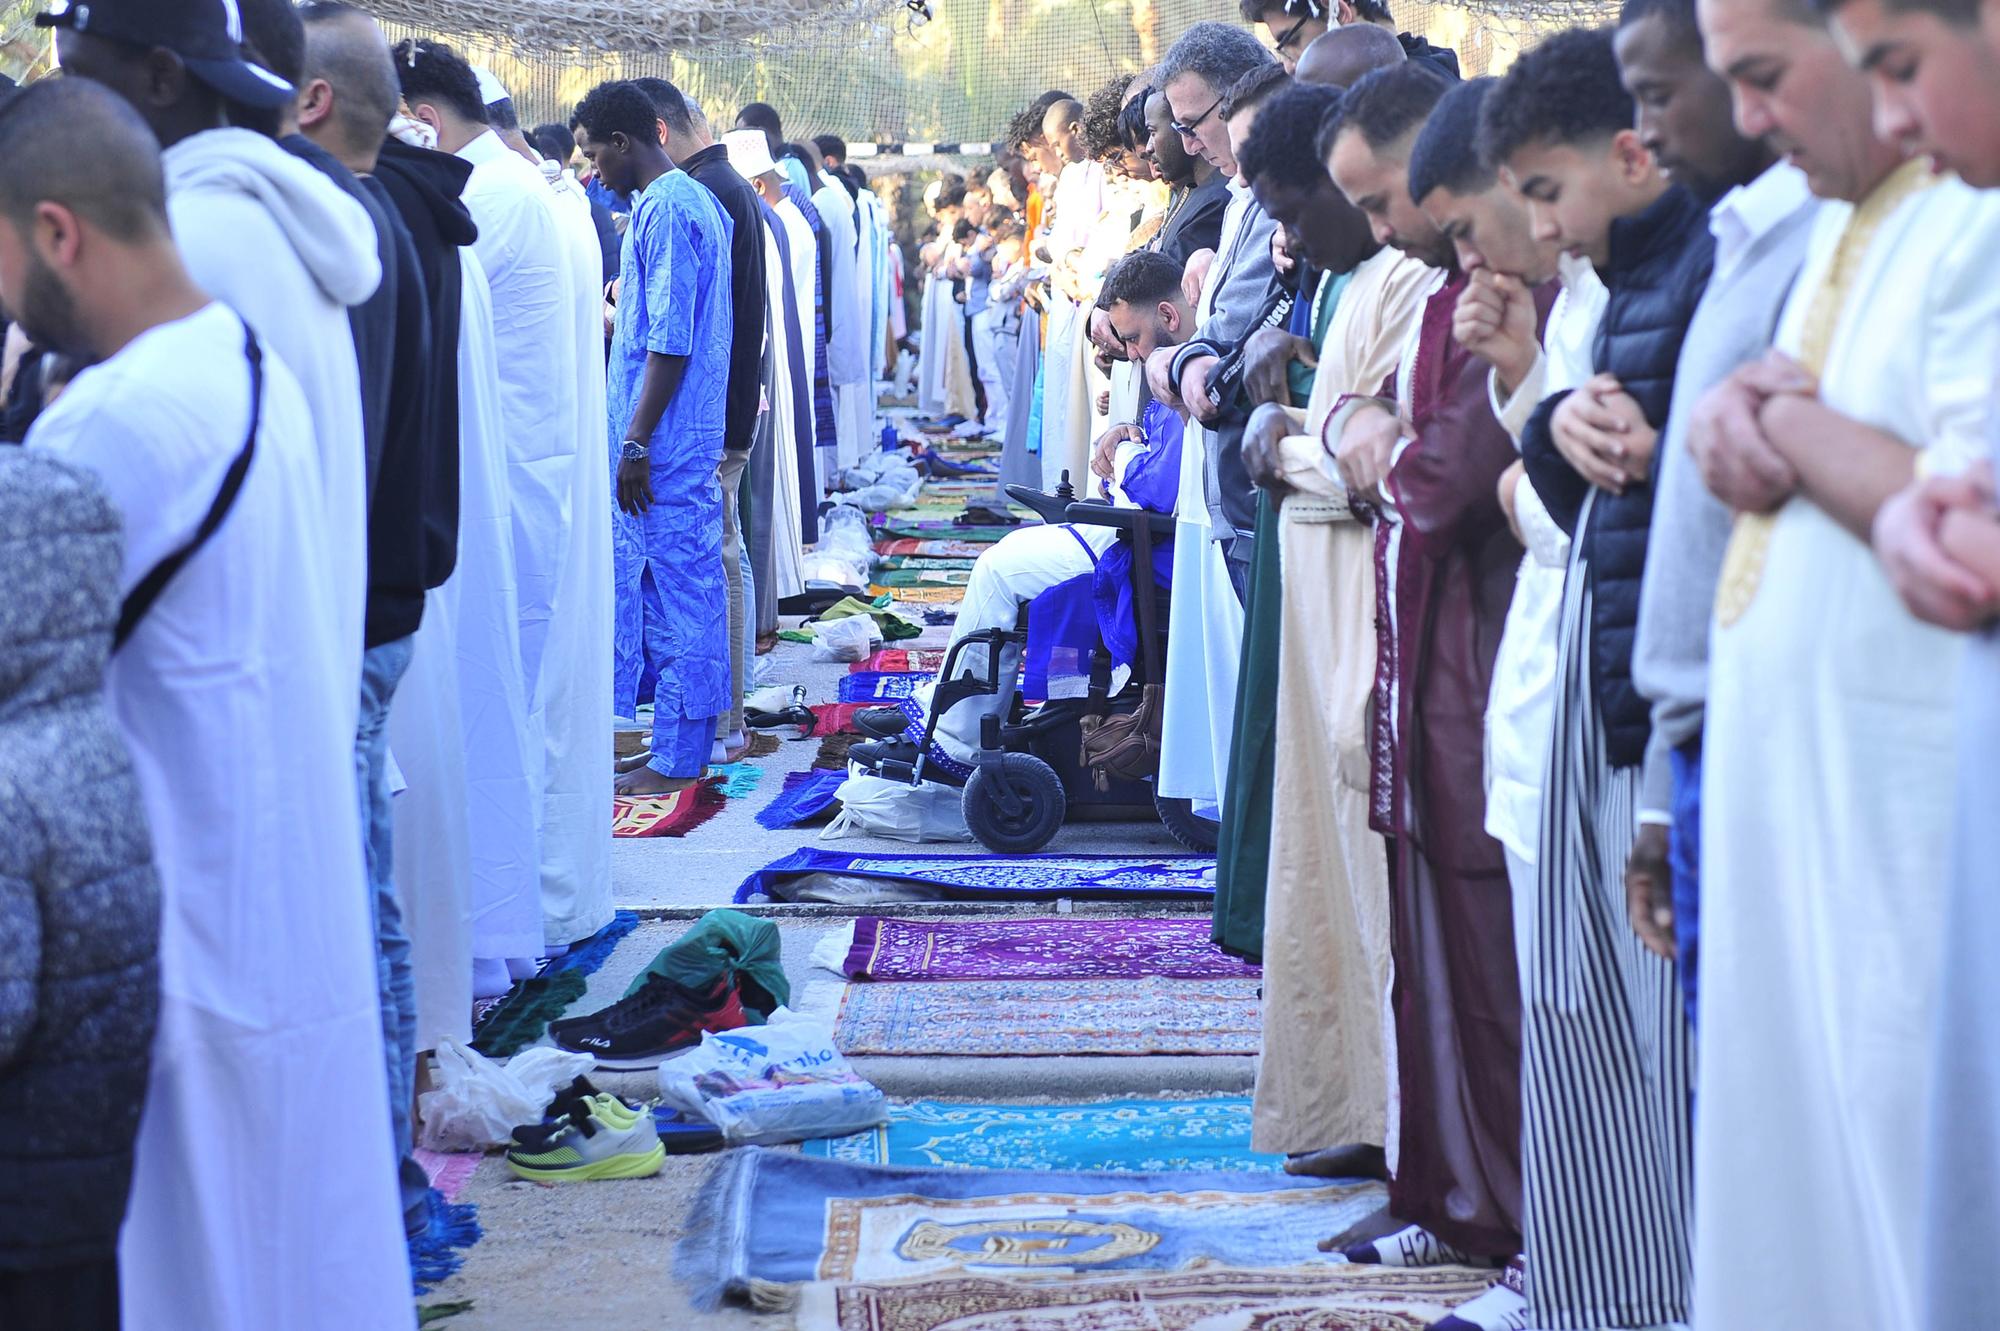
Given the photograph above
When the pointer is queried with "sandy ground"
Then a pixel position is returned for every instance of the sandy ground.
(600, 1255)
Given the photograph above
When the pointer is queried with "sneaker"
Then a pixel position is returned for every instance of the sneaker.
(881, 722)
(578, 1099)
(589, 1147)
(661, 1020)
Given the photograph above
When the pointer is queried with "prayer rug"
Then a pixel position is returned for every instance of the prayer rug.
(832, 755)
(737, 779)
(1069, 948)
(806, 796)
(1037, 1018)
(768, 1219)
(836, 717)
(927, 563)
(894, 659)
(667, 815)
(523, 1016)
(996, 877)
(438, 1250)
(900, 579)
(1322, 1297)
(880, 686)
(1145, 1135)
(937, 546)
(923, 595)
(448, 1171)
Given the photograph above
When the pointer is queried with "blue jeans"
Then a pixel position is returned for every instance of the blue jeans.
(1684, 859)
(381, 671)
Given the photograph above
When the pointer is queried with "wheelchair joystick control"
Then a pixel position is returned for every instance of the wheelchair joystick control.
(1064, 490)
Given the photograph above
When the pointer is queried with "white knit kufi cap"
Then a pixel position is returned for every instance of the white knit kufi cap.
(749, 152)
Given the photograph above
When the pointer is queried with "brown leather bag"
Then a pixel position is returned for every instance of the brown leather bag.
(1127, 746)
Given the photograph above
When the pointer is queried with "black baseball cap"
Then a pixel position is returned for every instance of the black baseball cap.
(206, 34)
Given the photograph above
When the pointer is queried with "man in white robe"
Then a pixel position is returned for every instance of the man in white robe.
(849, 321)
(1829, 756)
(235, 696)
(547, 333)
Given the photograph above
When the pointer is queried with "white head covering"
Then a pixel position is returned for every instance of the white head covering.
(749, 152)
(491, 89)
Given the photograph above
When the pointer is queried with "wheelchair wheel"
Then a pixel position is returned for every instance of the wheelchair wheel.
(1015, 806)
(1189, 828)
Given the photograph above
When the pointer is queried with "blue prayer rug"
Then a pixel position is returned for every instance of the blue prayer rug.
(1148, 1136)
(805, 797)
(995, 877)
(770, 1218)
(883, 686)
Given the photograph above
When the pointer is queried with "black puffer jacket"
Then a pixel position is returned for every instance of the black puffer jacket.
(79, 905)
(1660, 262)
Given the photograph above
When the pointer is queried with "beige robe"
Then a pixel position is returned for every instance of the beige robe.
(1327, 1073)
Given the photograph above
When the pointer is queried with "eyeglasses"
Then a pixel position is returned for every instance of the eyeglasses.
(1187, 131)
(1291, 34)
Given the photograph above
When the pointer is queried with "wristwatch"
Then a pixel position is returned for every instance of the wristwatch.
(632, 451)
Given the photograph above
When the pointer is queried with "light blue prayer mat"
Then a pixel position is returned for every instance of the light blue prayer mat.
(1141, 1135)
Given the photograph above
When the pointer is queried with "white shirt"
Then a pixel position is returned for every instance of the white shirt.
(1748, 213)
(1520, 709)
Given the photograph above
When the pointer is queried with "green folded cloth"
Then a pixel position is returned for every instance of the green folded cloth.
(727, 942)
(894, 627)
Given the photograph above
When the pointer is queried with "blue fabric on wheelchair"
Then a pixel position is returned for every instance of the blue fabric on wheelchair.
(883, 686)
(1000, 877)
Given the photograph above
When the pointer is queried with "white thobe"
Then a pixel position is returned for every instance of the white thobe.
(1828, 774)
(575, 685)
(521, 249)
(264, 1192)
(1205, 632)
(1520, 710)
(787, 521)
(1078, 202)
(848, 324)
(467, 829)
(289, 250)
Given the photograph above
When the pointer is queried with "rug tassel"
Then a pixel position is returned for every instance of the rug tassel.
(437, 1253)
(768, 1296)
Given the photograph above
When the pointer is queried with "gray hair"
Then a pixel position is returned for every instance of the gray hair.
(1218, 53)
(695, 113)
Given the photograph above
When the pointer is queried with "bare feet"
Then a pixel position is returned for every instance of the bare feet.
(1370, 1227)
(633, 763)
(645, 781)
(1354, 1161)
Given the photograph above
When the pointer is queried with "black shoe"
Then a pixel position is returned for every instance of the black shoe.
(874, 753)
(574, 1096)
(661, 1020)
(882, 722)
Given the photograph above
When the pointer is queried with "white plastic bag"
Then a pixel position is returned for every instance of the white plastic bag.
(780, 1082)
(876, 806)
(478, 1103)
(848, 639)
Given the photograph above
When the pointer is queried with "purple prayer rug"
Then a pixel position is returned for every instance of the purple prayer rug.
(997, 1018)
(1073, 948)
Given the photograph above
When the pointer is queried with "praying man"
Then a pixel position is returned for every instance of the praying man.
(668, 375)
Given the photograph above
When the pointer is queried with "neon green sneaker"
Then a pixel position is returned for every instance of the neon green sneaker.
(590, 1147)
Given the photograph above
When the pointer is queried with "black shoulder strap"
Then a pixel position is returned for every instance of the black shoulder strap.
(149, 587)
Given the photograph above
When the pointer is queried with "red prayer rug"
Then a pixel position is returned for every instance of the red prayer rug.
(667, 815)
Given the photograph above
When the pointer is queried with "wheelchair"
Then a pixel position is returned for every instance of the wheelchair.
(1028, 778)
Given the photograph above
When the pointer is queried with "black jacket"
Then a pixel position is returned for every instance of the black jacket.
(1659, 267)
(424, 189)
(1441, 58)
(392, 334)
(747, 292)
(1197, 223)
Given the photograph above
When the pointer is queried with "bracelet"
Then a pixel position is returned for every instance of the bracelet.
(632, 451)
